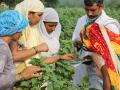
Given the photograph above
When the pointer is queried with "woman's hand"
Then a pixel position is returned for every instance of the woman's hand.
(42, 47)
(98, 60)
(31, 72)
(68, 56)
(78, 44)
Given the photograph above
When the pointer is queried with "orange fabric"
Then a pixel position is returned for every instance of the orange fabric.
(93, 39)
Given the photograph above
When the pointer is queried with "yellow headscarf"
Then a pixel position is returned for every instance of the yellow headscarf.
(31, 36)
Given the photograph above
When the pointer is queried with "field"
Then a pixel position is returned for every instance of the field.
(68, 19)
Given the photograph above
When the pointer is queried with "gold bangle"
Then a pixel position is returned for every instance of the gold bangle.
(36, 50)
(21, 76)
(60, 57)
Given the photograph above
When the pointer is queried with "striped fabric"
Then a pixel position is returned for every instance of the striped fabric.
(99, 39)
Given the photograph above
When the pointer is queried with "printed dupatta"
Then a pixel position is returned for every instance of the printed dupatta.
(101, 40)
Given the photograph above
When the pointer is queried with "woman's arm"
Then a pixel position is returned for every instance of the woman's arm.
(106, 79)
(54, 59)
(22, 55)
(99, 61)
(28, 73)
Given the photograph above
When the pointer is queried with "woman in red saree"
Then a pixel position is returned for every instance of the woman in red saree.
(106, 43)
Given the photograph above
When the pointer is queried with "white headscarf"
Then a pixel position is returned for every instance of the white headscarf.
(29, 5)
(30, 36)
(52, 39)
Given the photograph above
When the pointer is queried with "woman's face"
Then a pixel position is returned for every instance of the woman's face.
(34, 17)
(16, 36)
(50, 26)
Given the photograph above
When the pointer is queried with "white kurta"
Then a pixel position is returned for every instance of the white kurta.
(104, 19)
(52, 39)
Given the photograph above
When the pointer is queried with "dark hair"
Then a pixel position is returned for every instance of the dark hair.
(91, 2)
(31, 12)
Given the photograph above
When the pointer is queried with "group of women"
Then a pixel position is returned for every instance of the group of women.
(29, 31)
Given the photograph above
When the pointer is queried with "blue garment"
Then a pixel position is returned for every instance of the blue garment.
(11, 22)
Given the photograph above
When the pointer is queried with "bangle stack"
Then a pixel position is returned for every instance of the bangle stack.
(21, 76)
(36, 50)
(60, 57)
